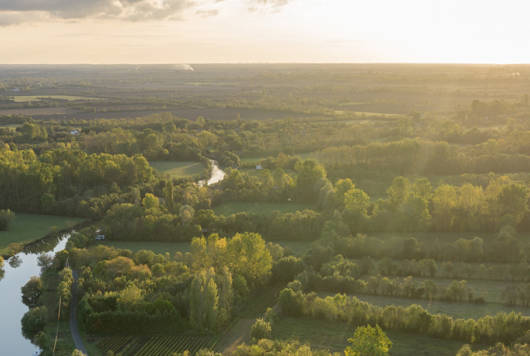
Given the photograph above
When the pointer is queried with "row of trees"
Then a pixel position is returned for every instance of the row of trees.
(428, 267)
(496, 249)
(502, 327)
(408, 287)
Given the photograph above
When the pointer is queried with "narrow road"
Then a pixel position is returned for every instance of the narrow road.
(237, 335)
(78, 340)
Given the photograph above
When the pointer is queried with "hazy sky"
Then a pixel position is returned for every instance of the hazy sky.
(198, 31)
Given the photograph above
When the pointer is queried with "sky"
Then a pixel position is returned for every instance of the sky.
(263, 31)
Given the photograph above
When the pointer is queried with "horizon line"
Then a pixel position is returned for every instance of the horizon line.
(260, 63)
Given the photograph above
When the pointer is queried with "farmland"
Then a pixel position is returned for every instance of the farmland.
(156, 345)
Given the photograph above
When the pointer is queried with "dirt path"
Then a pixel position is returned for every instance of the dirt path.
(78, 340)
(238, 334)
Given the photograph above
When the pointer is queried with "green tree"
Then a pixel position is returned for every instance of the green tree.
(32, 291)
(34, 321)
(309, 180)
(204, 301)
(368, 341)
(249, 256)
(6, 217)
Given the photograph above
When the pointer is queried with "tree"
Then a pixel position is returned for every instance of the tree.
(6, 217)
(44, 261)
(34, 321)
(356, 204)
(512, 202)
(368, 341)
(204, 300)
(31, 292)
(309, 180)
(150, 202)
(249, 256)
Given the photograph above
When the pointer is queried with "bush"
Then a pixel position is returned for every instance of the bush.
(6, 216)
(261, 330)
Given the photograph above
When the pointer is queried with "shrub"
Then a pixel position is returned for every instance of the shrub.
(261, 330)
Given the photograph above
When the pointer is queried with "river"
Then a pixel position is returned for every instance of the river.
(217, 175)
(12, 342)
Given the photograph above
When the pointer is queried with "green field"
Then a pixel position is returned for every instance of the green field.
(158, 247)
(458, 310)
(259, 208)
(29, 98)
(333, 335)
(28, 227)
(179, 169)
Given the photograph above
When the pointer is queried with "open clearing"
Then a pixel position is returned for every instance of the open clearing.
(259, 208)
(333, 335)
(28, 227)
(158, 247)
(178, 169)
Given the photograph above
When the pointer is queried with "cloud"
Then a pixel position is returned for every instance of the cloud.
(18, 11)
(272, 3)
(14, 11)
(207, 13)
(266, 5)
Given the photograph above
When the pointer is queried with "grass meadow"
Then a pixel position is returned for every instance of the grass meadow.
(178, 169)
(26, 228)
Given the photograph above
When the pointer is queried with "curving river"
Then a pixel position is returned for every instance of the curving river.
(18, 270)
(217, 175)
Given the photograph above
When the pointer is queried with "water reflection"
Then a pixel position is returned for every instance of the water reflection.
(26, 265)
(217, 175)
(15, 261)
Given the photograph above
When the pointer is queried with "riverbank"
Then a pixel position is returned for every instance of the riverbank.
(28, 231)
(18, 270)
